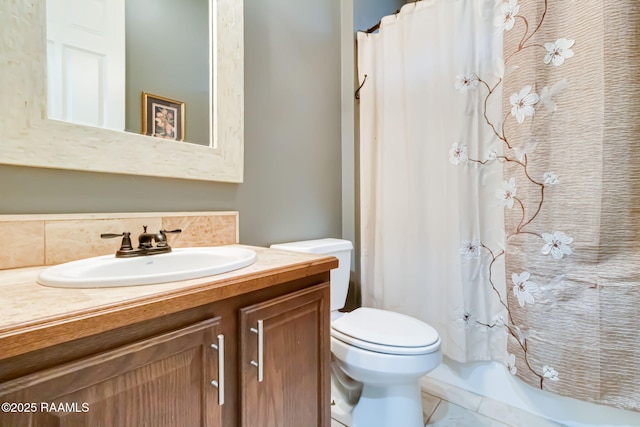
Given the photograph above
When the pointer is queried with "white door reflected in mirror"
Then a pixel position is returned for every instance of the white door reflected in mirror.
(86, 62)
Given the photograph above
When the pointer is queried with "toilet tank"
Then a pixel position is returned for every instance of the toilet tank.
(338, 248)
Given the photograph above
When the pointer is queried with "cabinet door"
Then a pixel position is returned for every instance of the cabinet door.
(284, 360)
(161, 381)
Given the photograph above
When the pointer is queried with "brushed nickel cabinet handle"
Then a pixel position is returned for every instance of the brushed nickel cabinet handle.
(260, 363)
(220, 383)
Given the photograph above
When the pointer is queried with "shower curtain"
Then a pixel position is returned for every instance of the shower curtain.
(573, 234)
(422, 117)
(500, 185)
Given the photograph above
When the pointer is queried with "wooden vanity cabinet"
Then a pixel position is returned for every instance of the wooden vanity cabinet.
(200, 374)
(283, 348)
(160, 381)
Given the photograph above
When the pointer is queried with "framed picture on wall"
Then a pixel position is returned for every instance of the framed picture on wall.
(162, 117)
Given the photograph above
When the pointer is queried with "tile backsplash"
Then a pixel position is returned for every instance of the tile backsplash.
(23, 243)
(34, 240)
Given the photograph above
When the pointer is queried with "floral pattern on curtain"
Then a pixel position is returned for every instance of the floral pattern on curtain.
(571, 195)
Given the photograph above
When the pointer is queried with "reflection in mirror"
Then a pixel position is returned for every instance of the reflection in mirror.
(103, 54)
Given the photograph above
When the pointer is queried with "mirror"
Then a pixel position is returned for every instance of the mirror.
(101, 56)
(29, 138)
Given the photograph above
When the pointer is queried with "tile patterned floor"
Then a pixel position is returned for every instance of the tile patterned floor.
(456, 407)
(444, 405)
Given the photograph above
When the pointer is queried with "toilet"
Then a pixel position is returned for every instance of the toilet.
(378, 356)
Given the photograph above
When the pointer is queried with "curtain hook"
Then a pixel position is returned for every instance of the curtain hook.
(357, 94)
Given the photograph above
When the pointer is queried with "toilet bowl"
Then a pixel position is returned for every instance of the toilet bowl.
(378, 356)
(387, 352)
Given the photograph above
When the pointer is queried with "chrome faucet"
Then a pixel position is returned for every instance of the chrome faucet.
(145, 243)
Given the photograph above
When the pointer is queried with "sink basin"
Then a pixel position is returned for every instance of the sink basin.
(180, 264)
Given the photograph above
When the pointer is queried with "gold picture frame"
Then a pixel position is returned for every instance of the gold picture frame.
(162, 117)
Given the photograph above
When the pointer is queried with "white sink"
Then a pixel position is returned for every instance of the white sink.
(180, 264)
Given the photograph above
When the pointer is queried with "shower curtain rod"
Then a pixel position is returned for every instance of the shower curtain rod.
(377, 26)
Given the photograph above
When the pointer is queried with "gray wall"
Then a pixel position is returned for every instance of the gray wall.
(292, 141)
(167, 54)
(367, 13)
(292, 113)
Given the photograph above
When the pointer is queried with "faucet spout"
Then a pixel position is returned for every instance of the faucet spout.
(145, 240)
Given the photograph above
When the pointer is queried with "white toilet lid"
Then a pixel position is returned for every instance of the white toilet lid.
(376, 329)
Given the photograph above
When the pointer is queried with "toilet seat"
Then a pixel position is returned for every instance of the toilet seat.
(386, 332)
(385, 349)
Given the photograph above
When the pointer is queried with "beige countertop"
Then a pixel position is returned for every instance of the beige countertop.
(32, 314)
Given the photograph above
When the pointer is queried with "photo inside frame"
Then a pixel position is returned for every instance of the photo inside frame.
(164, 121)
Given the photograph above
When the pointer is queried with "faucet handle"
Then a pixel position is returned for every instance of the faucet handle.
(176, 231)
(161, 239)
(112, 235)
(126, 240)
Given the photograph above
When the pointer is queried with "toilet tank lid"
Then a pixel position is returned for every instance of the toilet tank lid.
(318, 246)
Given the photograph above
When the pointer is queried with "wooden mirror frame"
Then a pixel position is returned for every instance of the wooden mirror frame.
(29, 138)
